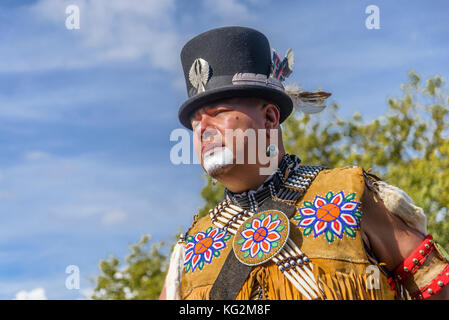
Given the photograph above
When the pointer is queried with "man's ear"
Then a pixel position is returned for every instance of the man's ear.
(272, 116)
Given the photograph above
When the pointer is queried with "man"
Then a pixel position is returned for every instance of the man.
(286, 231)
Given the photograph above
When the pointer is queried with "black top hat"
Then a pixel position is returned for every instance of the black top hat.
(232, 62)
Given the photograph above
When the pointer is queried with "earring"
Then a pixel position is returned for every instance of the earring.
(272, 151)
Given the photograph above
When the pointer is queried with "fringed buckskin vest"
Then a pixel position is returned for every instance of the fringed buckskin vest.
(326, 228)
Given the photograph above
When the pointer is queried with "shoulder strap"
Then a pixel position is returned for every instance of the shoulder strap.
(233, 273)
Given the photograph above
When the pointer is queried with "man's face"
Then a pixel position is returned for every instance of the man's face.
(222, 132)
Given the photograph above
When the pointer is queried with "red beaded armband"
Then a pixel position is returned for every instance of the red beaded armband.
(412, 264)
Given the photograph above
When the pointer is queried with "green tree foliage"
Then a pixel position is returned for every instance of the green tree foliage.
(408, 147)
(212, 193)
(141, 278)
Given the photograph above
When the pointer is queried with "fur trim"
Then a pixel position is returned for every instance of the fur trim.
(174, 274)
(401, 205)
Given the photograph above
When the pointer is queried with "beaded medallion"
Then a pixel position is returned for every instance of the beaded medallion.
(261, 237)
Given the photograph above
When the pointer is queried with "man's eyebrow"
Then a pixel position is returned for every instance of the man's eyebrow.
(218, 103)
(224, 103)
(193, 115)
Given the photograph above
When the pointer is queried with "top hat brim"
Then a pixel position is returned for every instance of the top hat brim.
(275, 96)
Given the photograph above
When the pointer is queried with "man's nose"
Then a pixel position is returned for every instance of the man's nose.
(201, 124)
(208, 132)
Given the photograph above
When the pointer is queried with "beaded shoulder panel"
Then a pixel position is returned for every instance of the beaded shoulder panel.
(298, 182)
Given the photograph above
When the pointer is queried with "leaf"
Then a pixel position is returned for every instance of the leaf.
(308, 204)
(275, 217)
(260, 254)
(307, 230)
(247, 225)
(217, 253)
(329, 196)
(280, 228)
(274, 244)
(246, 254)
(350, 232)
(350, 196)
(241, 241)
(329, 236)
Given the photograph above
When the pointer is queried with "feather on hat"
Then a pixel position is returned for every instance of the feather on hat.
(307, 102)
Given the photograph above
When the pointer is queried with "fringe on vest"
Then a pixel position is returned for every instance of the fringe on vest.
(337, 285)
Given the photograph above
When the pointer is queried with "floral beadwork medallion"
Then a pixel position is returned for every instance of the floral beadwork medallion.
(203, 246)
(260, 237)
(333, 215)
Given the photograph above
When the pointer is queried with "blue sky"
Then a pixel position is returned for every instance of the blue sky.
(86, 115)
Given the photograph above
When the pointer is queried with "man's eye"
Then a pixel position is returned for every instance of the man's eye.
(220, 111)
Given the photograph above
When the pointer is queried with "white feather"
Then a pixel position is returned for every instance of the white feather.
(308, 106)
(290, 58)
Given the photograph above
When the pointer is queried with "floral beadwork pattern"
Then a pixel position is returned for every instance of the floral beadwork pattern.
(332, 215)
(260, 236)
(202, 247)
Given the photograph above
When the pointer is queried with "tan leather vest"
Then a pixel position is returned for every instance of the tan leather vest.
(326, 227)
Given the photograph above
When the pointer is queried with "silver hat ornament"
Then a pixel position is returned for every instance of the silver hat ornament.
(199, 74)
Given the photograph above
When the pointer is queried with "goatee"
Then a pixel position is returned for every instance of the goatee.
(218, 161)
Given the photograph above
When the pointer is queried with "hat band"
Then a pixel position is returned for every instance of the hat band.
(257, 79)
(254, 79)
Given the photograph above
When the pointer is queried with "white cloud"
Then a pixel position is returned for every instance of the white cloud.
(82, 193)
(35, 294)
(110, 31)
(112, 218)
(86, 294)
(229, 11)
(35, 155)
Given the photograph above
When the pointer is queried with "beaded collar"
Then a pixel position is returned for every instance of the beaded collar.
(288, 182)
